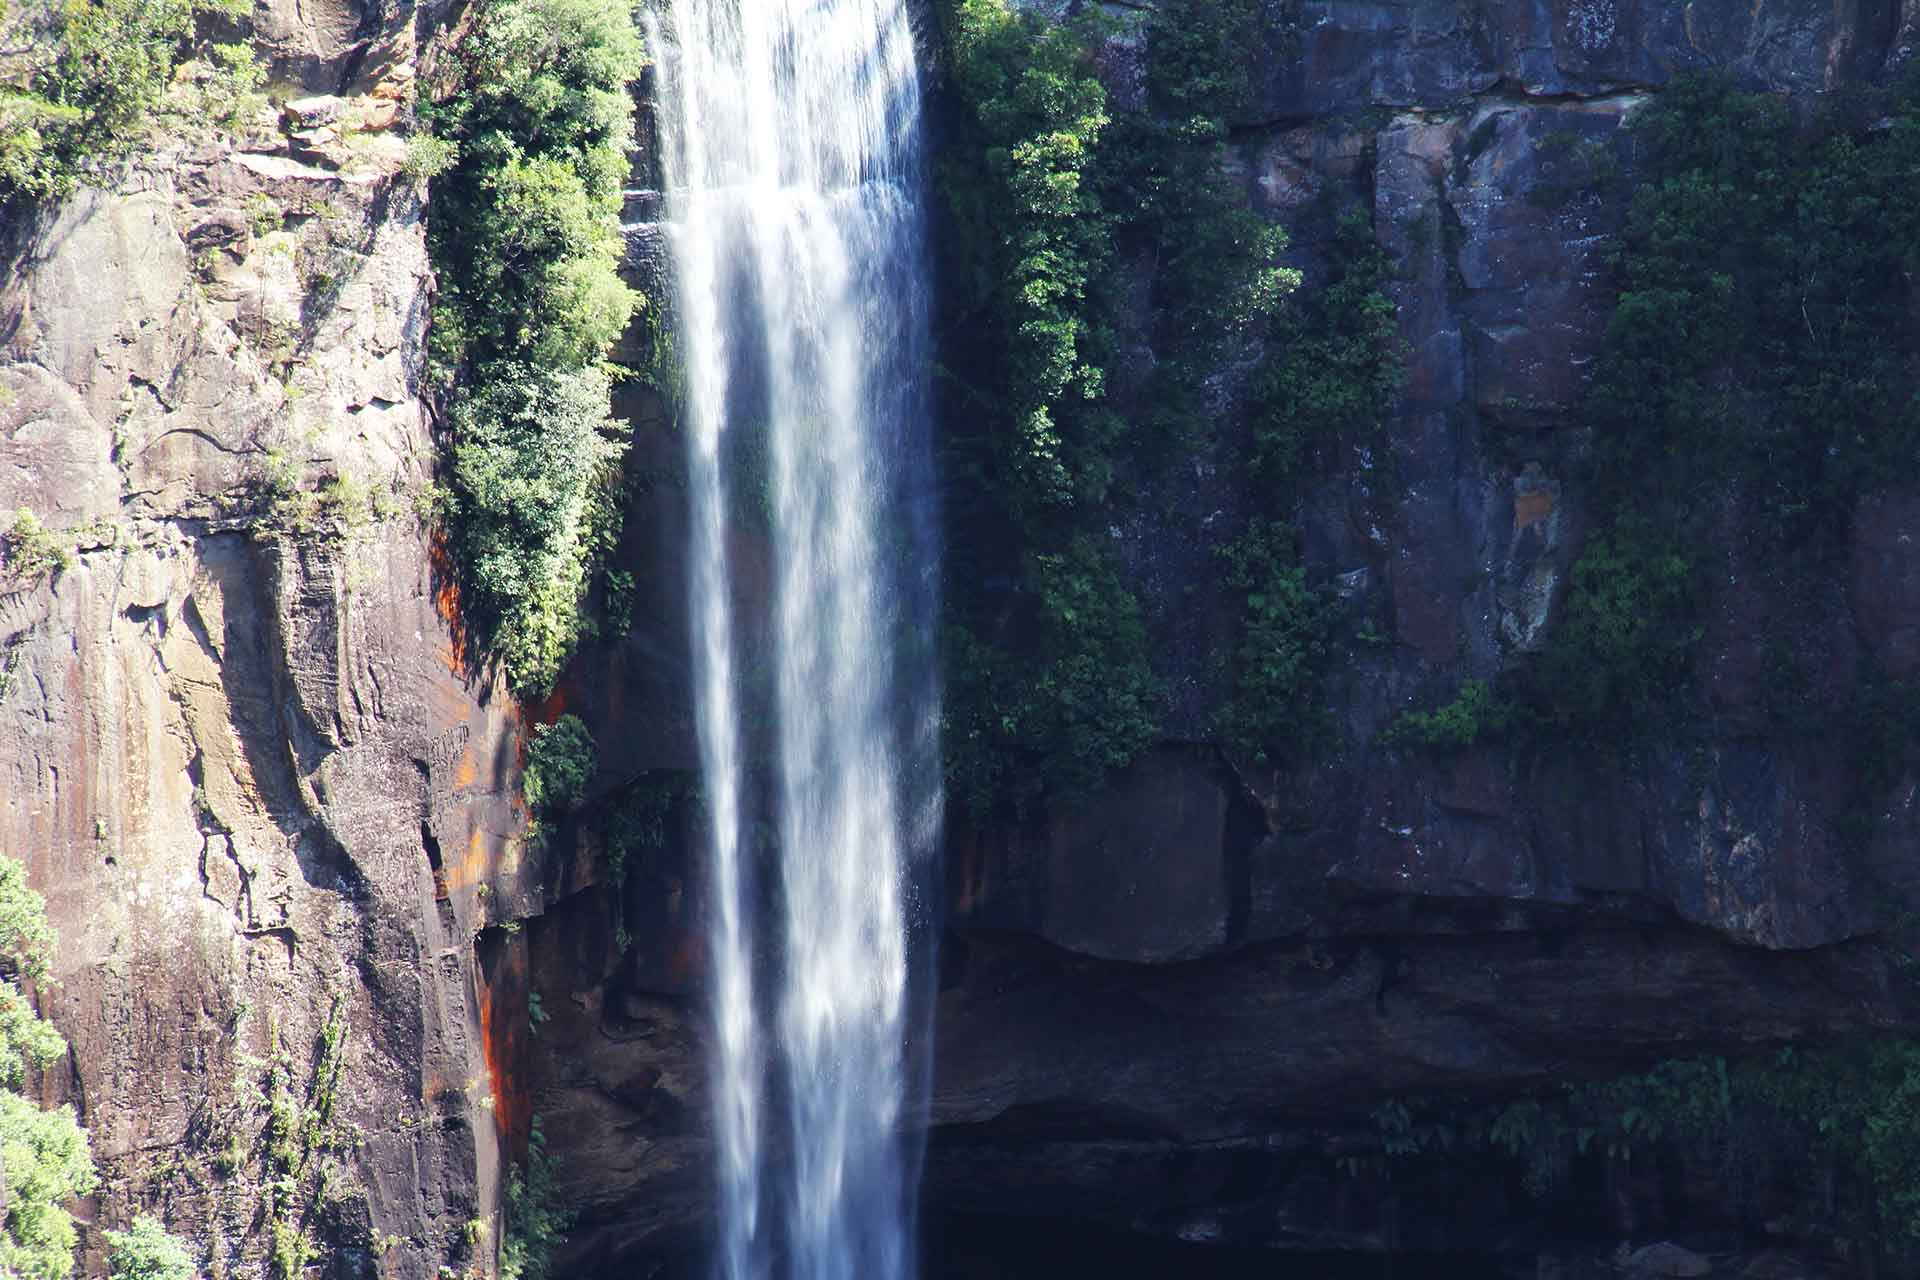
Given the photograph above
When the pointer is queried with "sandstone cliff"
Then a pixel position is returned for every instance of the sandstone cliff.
(251, 762)
(244, 757)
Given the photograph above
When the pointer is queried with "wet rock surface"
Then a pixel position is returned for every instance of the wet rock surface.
(1159, 1009)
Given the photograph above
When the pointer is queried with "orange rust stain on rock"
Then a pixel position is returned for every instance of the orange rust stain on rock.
(446, 602)
(503, 982)
(1531, 507)
(466, 769)
(475, 861)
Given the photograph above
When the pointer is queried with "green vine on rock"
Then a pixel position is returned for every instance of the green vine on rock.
(1053, 198)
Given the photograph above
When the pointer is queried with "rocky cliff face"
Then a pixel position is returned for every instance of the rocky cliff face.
(1171, 1008)
(248, 758)
(243, 755)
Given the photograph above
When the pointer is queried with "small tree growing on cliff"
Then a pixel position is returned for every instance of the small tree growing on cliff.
(559, 764)
(44, 1156)
(146, 1252)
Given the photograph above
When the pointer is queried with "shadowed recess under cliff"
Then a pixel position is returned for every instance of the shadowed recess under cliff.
(791, 155)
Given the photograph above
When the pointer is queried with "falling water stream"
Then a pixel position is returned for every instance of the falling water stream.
(790, 139)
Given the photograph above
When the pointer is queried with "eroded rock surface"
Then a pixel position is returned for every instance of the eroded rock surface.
(241, 749)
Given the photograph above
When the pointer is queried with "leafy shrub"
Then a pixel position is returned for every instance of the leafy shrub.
(1033, 239)
(48, 1165)
(1051, 195)
(1081, 700)
(535, 454)
(1274, 711)
(530, 152)
(525, 222)
(1759, 280)
(1476, 712)
(28, 549)
(44, 1155)
(90, 73)
(536, 1224)
(146, 1252)
(1336, 360)
(1623, 647)
(428, 156)
(1854, 1104)
(1095, 701)
(560, 763)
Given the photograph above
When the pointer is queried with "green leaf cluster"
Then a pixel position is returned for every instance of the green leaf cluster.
(1476, 712)
(1855, 1106)
(1274, 711)
(1747, 371)
(1622, 649)
(535, 459)
(528, 169)
(1053, 199)
(145, 1251)
(86, 75)
(560, 763)
(44, 1155)
(1034, 239)
(1760, 279)
(536, 1225)
(1336, 361)
(1081, 698)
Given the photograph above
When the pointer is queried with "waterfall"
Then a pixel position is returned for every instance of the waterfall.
(789, 134)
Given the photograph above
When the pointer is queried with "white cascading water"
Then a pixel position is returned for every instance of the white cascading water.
(789, 141)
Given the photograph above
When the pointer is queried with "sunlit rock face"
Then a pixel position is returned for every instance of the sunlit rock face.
(248, 766)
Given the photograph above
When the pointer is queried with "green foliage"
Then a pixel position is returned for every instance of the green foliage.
(1759, 281)
(1167, 174)
(536, 1224)
(1336, 361)
(1623, 647)
(1856, 1105)
(91, 73)
(1838, 1127)
(24, 1038)
(619, 603)
(637, 819)
(48, 1165)
(1746, 373)
(1081, 700)
(26, 939)
(428, 156)
(288, 1249)
(1095, 700)
(530, 154)
(535, 456)
(560, 763)
(29, 550)
(1205, 55)
(1035, 238)
(1274, 711)
(146, 1252)
(44, 1156)
(525, 224)
(1476, 712)
(1053, 199)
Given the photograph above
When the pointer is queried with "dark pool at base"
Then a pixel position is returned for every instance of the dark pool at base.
(994, 1248)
